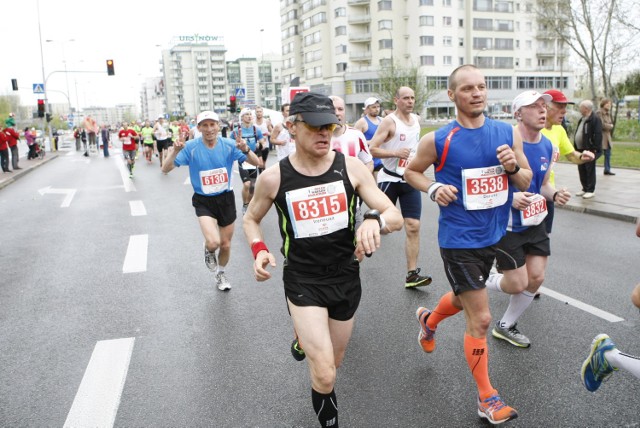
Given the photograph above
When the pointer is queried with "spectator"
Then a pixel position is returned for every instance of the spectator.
(12, 139)
(30, 136)
(588, 136)
(607, 127)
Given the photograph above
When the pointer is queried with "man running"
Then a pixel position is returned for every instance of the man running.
(255, 140)
(368, 124)
(314, 190)
(210, 159)
(476, 160)
(129, 138)
(523, 251)
(395, 143)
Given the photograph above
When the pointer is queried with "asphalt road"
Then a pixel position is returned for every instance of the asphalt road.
(167, 349)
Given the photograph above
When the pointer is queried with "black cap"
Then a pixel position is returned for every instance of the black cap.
(316, 109)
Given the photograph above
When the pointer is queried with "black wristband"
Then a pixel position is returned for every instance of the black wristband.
(515, 171)
(554, 196)
(246, 153)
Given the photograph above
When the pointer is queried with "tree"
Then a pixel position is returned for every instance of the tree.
(594, 30)
(393, 77)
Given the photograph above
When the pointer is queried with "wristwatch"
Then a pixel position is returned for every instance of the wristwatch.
(515, 171)
(374, 215)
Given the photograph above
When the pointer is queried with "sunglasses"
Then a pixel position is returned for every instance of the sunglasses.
(329, 127)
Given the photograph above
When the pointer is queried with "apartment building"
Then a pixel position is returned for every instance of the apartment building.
(339, 47)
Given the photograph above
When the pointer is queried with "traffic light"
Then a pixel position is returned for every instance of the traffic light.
(48, 117)
(110, 70)
(14, 84)
(232, 103)
(40, 108)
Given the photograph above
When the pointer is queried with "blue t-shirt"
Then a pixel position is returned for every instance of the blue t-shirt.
(460, 228)
(251, 134)
(207, 166)
(540, 157)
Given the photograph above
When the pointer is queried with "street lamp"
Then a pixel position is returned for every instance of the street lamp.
(64, 60)
(475, 61)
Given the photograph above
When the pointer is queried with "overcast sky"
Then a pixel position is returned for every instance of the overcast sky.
(127, 31)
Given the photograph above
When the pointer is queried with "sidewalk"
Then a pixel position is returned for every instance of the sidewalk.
(617, 196)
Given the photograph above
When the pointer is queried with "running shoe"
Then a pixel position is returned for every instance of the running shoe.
(222, 283)
(414, 279)
(210, 259)
(596, 368)
(297, 351)
(495, 410)
(511, 335)
(426, 336)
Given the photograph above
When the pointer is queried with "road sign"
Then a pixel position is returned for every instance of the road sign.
(241, 92)
(38, 88)
(70, 124)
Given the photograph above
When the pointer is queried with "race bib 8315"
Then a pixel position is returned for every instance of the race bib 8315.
(318, 210)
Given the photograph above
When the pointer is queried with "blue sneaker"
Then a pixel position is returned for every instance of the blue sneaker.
(596, 368)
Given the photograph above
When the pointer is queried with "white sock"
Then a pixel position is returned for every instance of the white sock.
(493, 282)
(620, 360)
(518, 303)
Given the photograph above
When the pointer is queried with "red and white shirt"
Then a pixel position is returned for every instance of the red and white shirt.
(352, 143)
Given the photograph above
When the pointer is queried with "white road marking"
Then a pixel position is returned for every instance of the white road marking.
(98, 397)
(581, 305)
(66, 201)
(124, 174)
(136, 258)
(137, 208)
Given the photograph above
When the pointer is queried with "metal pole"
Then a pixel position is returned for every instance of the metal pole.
(44, 82)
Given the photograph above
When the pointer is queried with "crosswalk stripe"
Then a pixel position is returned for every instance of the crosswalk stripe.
(137, 208)
(98, 397)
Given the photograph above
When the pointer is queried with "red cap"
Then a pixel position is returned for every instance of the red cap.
(558, 97)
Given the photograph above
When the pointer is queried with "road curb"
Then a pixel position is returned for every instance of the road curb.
(615, 216)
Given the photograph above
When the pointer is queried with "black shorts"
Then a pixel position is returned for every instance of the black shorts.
(164, 144)
(467, 269)
(248, 174)
(514, 247)
(222, 207)
(336, 287)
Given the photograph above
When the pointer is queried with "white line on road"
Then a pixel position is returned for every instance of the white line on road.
(98, 397)
(137, 208)
(580, 305)
(136, 258)
(66, 201)
(124, 174)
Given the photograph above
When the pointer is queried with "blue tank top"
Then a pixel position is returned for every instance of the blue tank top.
(460, 228)
(540, 156)
(371, 129)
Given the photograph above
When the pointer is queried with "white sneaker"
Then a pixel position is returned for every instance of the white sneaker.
(588, 195)
(223, 284)
(580, 193)
(210, 259)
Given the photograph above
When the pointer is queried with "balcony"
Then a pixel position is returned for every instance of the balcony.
(358, 2)
(360, 56)
(360, 38)
(359, 19)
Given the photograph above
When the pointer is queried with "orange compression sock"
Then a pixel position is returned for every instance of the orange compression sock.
(477, 354)
(444, 309)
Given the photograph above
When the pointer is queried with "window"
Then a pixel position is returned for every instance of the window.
(426, 2)
(426, 21)
(384, 5)
(437, 82)
(528, 45)
(341, 30)
(385, 44)
(461, 23)
(427, 60)
(426, 40)
(503, 62)
(504, 44)
(341, 49)
(446, 3)
(482, 5)
(447, 41)
(482, 43)
(385, 63)
(446, 21)
(528, 26)
(498, 82)
(461, 42)
(482, 24)
(447, 60)
(341, 11)
(341, 66)
(385, 24)
(504, 25)
(503, 6)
